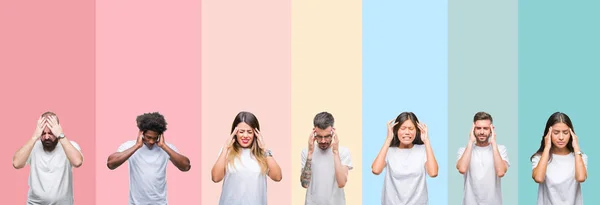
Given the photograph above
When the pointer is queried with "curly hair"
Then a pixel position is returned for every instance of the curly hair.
(152, 121)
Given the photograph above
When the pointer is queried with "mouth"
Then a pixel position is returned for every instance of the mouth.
(245, 141)
(406, 138)
(561, 143)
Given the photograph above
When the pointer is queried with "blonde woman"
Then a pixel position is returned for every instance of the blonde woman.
(244, 163)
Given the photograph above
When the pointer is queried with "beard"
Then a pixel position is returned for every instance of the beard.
(482, 136)
(49, 144)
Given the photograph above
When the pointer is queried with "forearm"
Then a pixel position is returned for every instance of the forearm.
(499, 163)
(274, 169)
(306, 172)
(463, 163)
(218, 170)
(539, 172)
(379, 163)
(117, 159)
(341, 172)
(74, 155)
(431, 165)
(580, 171)
(180, 161)
(21, 156)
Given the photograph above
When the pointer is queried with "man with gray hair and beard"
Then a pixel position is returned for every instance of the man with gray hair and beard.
(51, 159)
(325, 168)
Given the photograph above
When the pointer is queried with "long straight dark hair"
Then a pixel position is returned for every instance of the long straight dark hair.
(557, 117)
(403, 117)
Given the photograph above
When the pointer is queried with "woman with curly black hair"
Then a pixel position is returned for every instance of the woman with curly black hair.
(148, 157)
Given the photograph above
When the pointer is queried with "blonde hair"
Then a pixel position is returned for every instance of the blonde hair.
(257, 152)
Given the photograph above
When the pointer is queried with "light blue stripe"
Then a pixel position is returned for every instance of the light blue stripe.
(405, 68)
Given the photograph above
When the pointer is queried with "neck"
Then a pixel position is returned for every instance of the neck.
(561, 151)
(403, 146)
(482, 144)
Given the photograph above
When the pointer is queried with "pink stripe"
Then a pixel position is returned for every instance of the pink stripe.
(47, 63)
(246, 67)
(148, 60)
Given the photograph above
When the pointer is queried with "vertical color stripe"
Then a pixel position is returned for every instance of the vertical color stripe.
(147, 61)
(404, 69)
(47, 64)
(482, 76)
(558, 71)
(326, 76)
(246, 67)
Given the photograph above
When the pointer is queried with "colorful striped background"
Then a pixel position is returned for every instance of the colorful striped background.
(99, 64)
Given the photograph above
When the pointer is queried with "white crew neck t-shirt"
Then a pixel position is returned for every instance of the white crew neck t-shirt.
(147, 174)
(323, 188)
(404, 182)
(559, 186)
(244, 183)
(482, 185)
(50, 176)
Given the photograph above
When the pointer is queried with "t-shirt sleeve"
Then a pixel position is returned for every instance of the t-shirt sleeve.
(504, 154)
(535, 160)
(32, 152)
(460, 153)
(585, 160)
(346, 159)
(303, 157)
(126, 146)
(77, 147)
(173, 147)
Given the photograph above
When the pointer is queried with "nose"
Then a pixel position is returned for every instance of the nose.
(561, 136)
(322, 140)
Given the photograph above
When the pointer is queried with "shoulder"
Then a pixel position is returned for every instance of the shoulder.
(501, 147)
(344, 150)
(129, 143)
(75, 144)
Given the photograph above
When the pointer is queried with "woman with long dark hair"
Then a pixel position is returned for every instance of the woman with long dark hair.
(244, 163)
(559, 166)
(408, 157)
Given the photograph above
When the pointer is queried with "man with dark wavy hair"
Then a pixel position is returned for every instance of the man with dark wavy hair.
(148, 157)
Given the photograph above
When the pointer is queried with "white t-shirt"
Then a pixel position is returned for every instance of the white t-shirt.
(147, 174)
(559, 186)
(50, 176)
(404, 182)
(244, 183)
(482, 185)
(323, 188)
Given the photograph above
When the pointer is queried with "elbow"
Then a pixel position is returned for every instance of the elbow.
(433, 174)
(538, 180)
(580, 179)
(278, 178)
(110, 166)
(500, 174)
(186, 167)
(77, 163)
(17, 165)
(462, 170)
(341, 184)
(216, 179)
(376, 171)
